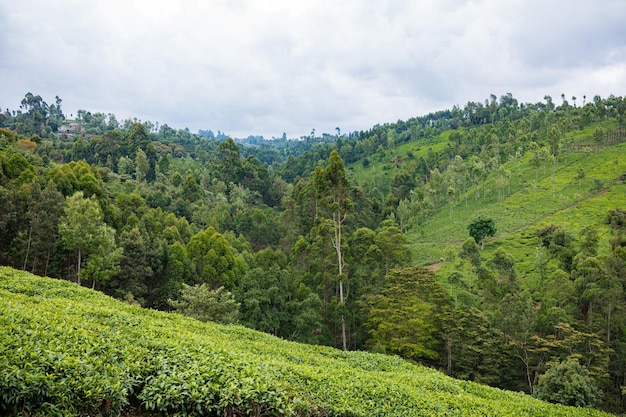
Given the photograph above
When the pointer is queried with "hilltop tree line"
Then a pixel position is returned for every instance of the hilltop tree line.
(282, 240)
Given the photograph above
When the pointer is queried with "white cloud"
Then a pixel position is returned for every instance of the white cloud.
(252, 67)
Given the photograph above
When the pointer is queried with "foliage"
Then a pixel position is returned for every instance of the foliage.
(568, 383)
(406, 317)
(480, 228)
(204, 304)
(213, 259)
(262, 218)
(66, 350)
(83, 229)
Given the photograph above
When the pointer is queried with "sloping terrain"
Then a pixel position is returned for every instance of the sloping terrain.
(68, 350)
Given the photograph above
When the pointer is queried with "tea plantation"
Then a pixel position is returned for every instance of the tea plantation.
(70, 351)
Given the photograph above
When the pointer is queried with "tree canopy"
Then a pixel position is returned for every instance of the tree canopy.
(481, 228)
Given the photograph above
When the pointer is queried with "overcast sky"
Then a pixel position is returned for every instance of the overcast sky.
(263, 67)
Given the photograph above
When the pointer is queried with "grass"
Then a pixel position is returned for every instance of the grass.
(557, 198)
(384, 166)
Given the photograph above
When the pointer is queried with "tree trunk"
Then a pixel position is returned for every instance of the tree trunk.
(78, 269)
(343, 318)
(608, 325)
(45, 272)
(526, 361)
(337, 222)
(30, 232)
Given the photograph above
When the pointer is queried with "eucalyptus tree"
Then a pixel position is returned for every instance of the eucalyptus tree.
(83, 230)
(333, 191)
(43, 214)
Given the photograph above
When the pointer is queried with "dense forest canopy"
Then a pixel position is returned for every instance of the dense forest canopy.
(316, 239)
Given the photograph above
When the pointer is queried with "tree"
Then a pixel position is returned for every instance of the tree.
(37, 113)
(43, 213)
(103, 263)
(126, 167)
(205, 304)
(229, 166)
(142, 165)
(568, 383)
(504, 264)
(76, 176)
(392, 245)
(82, 228)
(138, 265)
(332, 186)
(580, 175)
(213, 260)
(406, 317)
(481, 228)
(559, 244)
(518, 318)
(177, 269)
(616, 219)
(474, 348)
(367, 260)
(264, 297)
(402, 185)
(138, 138)
(164, 165)
(191, 190)
(469, 251)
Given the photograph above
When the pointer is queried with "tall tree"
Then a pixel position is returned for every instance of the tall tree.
(406, 317)
(332, 187)
(103, 263)
(139, 265)
(213, 260)
(474, 348)
(518, 319)
(82, 227)
(43, 213)
(138, 138)
(229, 167)
(142, 165)
(392, 244)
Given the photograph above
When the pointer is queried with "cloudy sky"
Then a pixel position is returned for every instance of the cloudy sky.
(265, 67)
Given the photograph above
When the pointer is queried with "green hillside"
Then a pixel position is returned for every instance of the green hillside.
(323, 240)
(533, 195)
(67, 350)
(554, 196)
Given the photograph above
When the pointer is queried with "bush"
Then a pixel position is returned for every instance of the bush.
(568, 383)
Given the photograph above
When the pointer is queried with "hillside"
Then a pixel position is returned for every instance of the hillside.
(67, 350)
(323, 240)
(553, 196)
(533, 193)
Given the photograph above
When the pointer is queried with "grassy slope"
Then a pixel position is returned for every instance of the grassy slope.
(534, 197)
(382, 169)
(539, 200)
(66, 349)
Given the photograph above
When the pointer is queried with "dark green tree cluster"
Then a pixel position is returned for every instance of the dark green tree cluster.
(169, 221)
(564, 342)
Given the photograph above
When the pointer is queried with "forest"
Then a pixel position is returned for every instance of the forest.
(488, 242)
